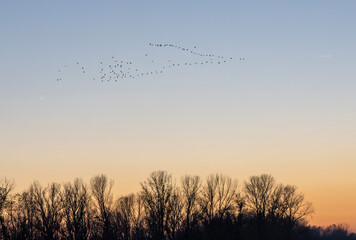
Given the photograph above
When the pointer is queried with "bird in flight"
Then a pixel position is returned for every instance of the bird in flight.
(114, 69)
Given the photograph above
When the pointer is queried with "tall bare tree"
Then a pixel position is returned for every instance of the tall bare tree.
(218, 197)
(227, 190)
(48, 207)
(129, 216)
(258, 191)
(174, 214)
(77, 212)
(101, 188)
(156, 193)
(22, 216)
(296, 208)
(6, 186)
(190, 190)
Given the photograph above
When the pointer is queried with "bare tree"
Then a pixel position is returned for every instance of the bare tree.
(22, 216)
(218, 197)
(6, 186)
(227, 190)
(190, 190)
(77, 212)
(129, 215)
(240, 203)
(101, 191)
(174, 214)
(208, 198)
(285, 204)
(124, 217)
(258, 191)
(156, 193)
(275, 207)
(296, 208)
(48, 207)
(275, 204)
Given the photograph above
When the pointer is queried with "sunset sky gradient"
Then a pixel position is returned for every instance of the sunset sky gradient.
(288, 110)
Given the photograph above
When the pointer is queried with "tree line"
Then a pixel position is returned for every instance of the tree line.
(164, 209)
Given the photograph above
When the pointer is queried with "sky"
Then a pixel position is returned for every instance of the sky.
(288, 109)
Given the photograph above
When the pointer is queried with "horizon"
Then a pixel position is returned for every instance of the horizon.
(312, 220)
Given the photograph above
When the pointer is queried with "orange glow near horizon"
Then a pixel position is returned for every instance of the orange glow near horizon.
(333, 196)
(334, 204)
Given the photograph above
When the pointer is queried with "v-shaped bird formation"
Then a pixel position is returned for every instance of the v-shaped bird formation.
(115, 69)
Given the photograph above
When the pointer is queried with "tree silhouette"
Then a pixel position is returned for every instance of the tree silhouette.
(217, 197)
(77, 212)
(190, 193)
(156, 195)
(48, 207)
(103, 200)
(129, 219)
(6, 186)
(259, 190)
(214, 209)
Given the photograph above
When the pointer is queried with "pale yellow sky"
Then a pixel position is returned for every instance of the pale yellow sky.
(326, 181)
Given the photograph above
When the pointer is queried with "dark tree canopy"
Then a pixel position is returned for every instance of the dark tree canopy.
(164, 209)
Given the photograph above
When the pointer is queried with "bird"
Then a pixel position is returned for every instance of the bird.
(128, 69)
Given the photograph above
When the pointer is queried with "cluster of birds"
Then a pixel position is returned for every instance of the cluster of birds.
(116, 69)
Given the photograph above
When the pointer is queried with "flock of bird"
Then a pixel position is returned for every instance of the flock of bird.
(116, 69)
